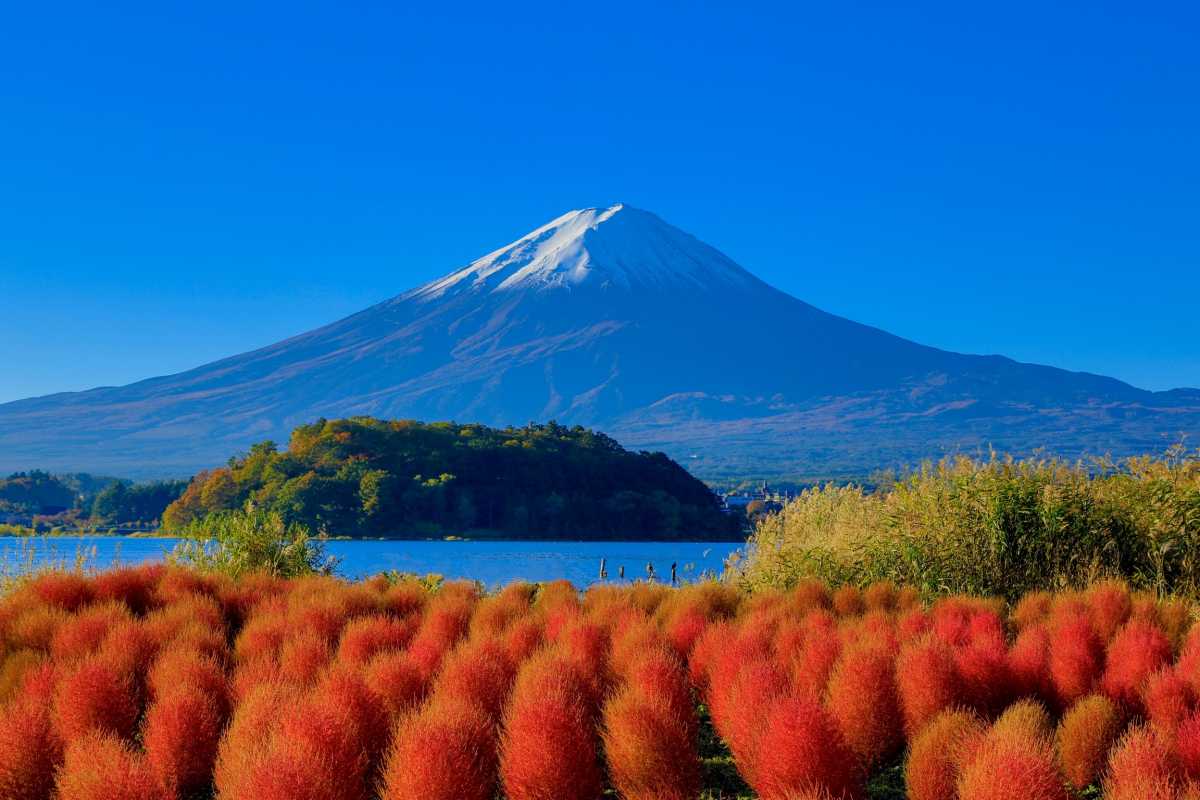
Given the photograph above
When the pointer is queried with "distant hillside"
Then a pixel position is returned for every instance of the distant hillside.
(81, 500)
(364, 476)
(613, 319)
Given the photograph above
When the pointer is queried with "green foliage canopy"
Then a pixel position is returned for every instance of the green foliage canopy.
(364, 476)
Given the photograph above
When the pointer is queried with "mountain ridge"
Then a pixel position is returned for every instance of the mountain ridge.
(614, 319)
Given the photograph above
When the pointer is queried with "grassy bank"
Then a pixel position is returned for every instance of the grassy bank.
(998, 527)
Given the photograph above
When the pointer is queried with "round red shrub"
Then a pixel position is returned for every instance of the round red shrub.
(316, 752)
(1076, 659)
(1187, 745)
(650, 751)
(245, 740)
(99, 766)
(95, 696)
(1085, 735)
(801, 750)
(549, 748)
(365, 637)
(1032, 609)
(82, 634)
(29, 751)
(66, 590)
(182, 666)
(739, 710)
(1137, 651)
(477, 672)
(684, 629)
(926, 682)
(444, 752)
(937, 753)
(861, 698)
(445, 622)
(848, 601)
(132, 586)
(521, 639)
(180, 736)
(1008, 767)
(303, 657)
(397, 681)
(1109, 606)
(1029, 665)
(1168, 699)
(1142, 766)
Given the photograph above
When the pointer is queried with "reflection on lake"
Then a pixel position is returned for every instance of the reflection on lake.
(492, 562)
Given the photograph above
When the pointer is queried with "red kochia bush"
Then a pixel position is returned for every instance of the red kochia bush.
(1142, 767)
(99, 766)
(739, 711)
(303, 658)
(650, 751)
(938, 752)
(983, 673)
(446, 751)
(133, 586)
(181, 665)
(1135, 653)
(926, 681)
(445, 622)
(548, 747)
(1168, 700)
(1085, 734)
(1187, 745)
(813, 663)
(1075, 659)
(801, 750)
(365, 637)
(521, 638)
(1011, 766)
(397, 681)
(862, 701)
(346, 689)
(82, 635)
(848, 601)
(1029, 665)
(65, 590)
(29, 751)
(315, 753)
(478, 672)
(181, 732)
(95, 696)
(658, 674)
(246, 739)
(1109, 605)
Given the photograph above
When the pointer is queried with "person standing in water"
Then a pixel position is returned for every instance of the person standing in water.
(621, 571)
(603, 570)
(650, 570)
(674, 575)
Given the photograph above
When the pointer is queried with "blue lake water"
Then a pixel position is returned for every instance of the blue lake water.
(491, 562)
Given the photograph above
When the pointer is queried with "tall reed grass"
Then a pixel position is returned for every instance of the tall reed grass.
(998, 527)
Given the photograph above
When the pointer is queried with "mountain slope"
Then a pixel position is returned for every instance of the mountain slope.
(610, 318)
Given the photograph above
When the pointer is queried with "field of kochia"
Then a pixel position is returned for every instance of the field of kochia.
(158, 682)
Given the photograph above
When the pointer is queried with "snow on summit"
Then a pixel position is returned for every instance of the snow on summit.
(619, 247)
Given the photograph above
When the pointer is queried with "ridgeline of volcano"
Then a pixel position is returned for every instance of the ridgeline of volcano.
(613, 319)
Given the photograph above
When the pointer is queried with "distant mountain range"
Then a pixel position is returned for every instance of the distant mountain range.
(613, 319)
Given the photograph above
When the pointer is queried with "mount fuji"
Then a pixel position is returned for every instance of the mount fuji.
(614, 319)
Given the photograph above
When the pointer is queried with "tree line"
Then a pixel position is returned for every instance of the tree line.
(363, 476)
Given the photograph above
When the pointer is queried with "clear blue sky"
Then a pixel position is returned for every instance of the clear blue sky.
(181, 182)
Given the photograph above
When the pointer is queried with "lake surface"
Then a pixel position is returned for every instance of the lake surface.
(491, 562)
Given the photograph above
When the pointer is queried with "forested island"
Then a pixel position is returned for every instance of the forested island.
(368, 477)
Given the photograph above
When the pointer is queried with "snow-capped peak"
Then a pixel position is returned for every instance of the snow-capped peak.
(606, 248)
